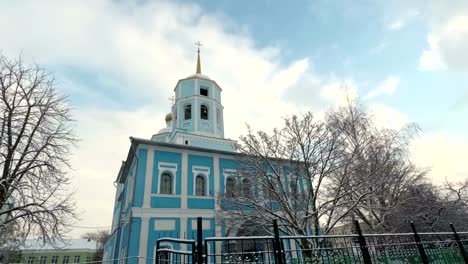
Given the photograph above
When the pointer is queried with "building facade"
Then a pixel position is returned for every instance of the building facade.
(168, 181)
(71, 251)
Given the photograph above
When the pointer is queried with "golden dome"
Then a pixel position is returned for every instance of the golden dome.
(169, 117)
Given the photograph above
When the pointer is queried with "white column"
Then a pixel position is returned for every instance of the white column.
(183, 181)
(196, 107)
(183, 230)
(216, 177)
(148, 179)
(216, 192)
(143, 239)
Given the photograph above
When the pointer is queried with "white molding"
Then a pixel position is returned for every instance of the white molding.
(167, 224)
(172, 212)
(200, 197)
(216, 177)
(205, 172)
(143, 238)
(183, 231)
(148, 179)
(207, 153)
(229, 173)
(195, 113)
(184, 177)
(164, 165)
(172, 168)
(206, 224)
(165, 195)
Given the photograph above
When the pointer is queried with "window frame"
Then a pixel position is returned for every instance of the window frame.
(66, 260)
(234, 186)
(204, 171)
(204, 115)
(42, 259)
(172, 169)
(54, 260)
(187, 113)
(204, 89)
(166, 173)
(204, 188)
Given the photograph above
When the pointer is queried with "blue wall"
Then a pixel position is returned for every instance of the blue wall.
(140, 178)
(186, 88)
(154, 233)
(225, 164)
(134, 242)
(205, 161)
(170, 157)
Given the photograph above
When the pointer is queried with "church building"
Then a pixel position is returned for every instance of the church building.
(169, 180)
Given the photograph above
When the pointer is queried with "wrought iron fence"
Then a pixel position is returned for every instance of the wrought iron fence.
(172, 250)
(442, 247)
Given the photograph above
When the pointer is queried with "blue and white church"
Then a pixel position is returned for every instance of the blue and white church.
(169, 180)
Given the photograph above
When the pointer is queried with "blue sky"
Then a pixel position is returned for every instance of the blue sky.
(120, 60)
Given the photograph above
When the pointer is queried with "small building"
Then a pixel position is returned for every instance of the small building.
(70, 251)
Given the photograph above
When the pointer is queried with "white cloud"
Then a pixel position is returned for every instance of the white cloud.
(396, 25)
(431, 59)
(386, 87)
(445, 155)
(339, 93)
(448, 38)
(387, 117)
(402, 20)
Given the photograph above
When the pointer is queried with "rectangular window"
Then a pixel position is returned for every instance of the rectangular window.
(54, 259)
(89, 259)
(77, 259)
(66, 259)
(30, 260)
(43, 260)
(204, 91)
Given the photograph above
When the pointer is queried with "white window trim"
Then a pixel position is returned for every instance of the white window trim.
(229, 173)
(171, 168)
(205, 172)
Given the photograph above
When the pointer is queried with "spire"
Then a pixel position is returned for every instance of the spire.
(198, 58)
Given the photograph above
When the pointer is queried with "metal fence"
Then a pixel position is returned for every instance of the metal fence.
(443, 247)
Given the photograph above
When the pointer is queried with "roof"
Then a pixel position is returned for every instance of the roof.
(83, 244)
(136, 141)
(198, 76)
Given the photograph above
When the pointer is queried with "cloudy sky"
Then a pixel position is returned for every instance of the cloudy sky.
(119, 61)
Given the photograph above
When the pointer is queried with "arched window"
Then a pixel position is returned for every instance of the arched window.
(204, 112)
(166, 183)
(246, 188)
(188, 112)
(200, 185)
(230, 186)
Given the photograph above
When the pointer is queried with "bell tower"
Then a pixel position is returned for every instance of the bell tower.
(197, 113)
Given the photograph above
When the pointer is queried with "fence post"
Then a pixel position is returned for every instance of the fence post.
(277, 244)
(362, 244)
(459, 243)
(417, 238)
(199, 240)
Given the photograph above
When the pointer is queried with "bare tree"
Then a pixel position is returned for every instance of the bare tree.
(316, 175)
(36, 136)
(287, 176)
(379, 157)
(101, 237)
